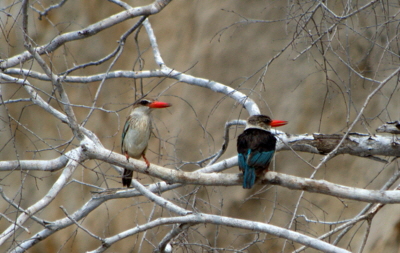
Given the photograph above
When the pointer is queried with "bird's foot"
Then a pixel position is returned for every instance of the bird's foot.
(146, 161)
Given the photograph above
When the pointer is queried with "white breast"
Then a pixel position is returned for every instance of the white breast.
(137, 137)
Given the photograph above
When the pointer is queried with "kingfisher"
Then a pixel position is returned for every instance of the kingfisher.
(256, 147)
(136, 133)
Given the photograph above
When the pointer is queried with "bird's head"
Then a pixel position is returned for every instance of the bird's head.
(146, 105)
(263, 122)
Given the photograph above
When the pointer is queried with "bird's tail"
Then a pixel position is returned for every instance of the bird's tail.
(249, 177)
(127, 178)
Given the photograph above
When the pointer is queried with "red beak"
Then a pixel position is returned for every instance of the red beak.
(278, 123)
(159, 104)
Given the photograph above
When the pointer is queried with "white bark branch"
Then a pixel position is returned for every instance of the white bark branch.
(239, 97)
(202, 218)
(63, 95)
(390, 127)
(41, 165)
(90, 30)
(39, 101)
(356, 144)
(77, 156)
(271, 177)
(332, 189)
(165, 72)
(228, 179)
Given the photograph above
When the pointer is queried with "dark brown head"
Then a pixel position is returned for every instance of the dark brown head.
(263, 122)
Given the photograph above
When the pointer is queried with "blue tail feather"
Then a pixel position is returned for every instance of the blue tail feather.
(249, 173)
(249, 177)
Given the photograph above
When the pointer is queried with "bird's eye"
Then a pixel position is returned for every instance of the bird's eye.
(144, 102)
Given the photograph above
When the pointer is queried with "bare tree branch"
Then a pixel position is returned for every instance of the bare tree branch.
(91, 30)
(77, 157)
(44, 165)
(357, 144)
(226, 221)
(390, 127)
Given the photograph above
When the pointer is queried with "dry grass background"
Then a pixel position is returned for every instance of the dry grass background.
(192, 38)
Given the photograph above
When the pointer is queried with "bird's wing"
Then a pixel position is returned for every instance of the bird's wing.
(255, 148)
(124, 131)
(260, 159)
(243, 150)
(135, 136)
(242, 161)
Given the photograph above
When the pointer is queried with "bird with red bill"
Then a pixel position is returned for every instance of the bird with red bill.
(256, 147)
(136, 133)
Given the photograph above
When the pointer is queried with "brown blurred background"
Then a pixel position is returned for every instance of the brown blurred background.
(315, 92)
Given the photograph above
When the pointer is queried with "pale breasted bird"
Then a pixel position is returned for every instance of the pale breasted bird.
(256, 147)
(136, 133)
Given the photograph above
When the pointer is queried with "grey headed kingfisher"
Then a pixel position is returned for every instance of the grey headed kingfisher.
(256, 147)
(136, 133)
